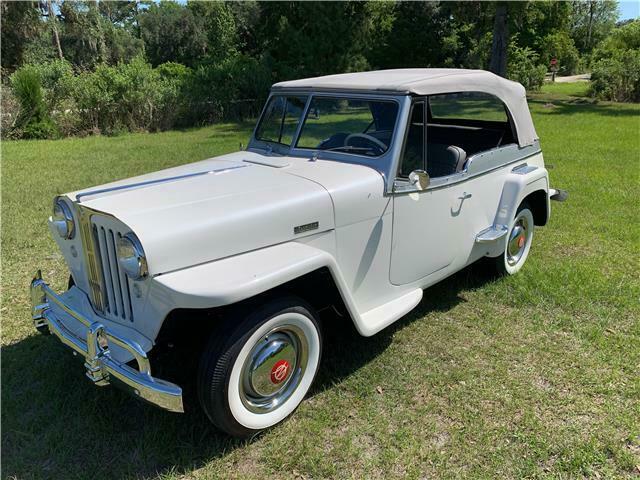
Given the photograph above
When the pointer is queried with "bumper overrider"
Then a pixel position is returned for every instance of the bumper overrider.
(101, 367)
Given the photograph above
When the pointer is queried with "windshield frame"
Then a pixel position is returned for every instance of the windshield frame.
(293, 149)
(384, 164)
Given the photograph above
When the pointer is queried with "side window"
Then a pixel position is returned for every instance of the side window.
(413, 151)
(460, 125)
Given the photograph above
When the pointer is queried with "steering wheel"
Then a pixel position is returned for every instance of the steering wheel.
(369, 138)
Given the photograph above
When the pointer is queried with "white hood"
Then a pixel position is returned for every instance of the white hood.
(219, 207)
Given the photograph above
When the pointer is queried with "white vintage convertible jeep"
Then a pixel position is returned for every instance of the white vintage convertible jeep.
(356, 191)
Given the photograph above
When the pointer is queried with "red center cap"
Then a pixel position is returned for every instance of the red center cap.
(521, 241)
(279, 371)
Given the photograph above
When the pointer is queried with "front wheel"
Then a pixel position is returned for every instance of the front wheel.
(518, 242)
(255, 374)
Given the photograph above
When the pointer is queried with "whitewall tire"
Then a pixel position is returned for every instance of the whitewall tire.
(256, 372)
(517, 243)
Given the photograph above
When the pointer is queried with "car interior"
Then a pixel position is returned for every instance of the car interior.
(452, 141)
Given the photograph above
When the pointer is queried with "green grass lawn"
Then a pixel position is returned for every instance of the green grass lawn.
(536, 375)
(576, 89)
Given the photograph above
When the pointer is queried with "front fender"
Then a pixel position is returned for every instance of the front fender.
(232, 279)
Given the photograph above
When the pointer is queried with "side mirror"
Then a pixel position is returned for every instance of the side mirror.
(419, 179)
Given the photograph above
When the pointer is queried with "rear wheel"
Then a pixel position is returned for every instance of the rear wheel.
(255, 372)
(517, 244)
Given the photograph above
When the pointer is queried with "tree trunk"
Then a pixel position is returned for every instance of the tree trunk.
(592, 5)
(500, 43)
(56, 37)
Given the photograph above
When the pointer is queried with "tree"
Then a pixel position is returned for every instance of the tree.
(20, 24)
(247, 18)
(591, 22)
(316, 38)
(500, 42)
(172, 33)
(89, 35)
(54, 29)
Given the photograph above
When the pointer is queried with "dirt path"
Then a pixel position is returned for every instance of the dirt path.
(584, 77)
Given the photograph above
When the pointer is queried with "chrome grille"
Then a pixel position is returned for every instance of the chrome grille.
(108, 285)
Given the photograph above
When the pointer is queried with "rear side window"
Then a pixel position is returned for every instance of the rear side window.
(467, 123)
(468, 106)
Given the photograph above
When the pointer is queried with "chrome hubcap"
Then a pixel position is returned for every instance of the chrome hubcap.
(517, 241)
(273, 369)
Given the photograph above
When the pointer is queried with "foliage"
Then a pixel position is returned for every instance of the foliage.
(172, 33)
(616, 65)
(560, 46)
(235, 88)
(231, 52)
(116, 98)
(524, 67)
(84, 39)
(20, 25)
(10, 108)
(591, 22)
(33, 119)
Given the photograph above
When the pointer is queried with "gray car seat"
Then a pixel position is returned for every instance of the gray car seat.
(444, 160)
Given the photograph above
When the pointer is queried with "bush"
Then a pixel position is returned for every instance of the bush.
(10, 109)
(525, 68)
(617, 78)
(173, 84)
(33, 120)
(55, 76)
(113, 99)
(560, 46)
(234, 89)
(616, 65)
(134, 96)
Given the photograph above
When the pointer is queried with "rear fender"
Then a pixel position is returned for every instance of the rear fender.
(521, 182)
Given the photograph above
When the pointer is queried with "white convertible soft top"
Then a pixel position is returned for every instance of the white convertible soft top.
(430, 81)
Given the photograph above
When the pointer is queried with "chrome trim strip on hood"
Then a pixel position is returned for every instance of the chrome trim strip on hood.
(152, 182)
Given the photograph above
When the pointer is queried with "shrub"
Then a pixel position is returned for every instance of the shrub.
(33, 120)
(173, 84)
(233, 89)
(561, 46)
(113, 99)
(617, 78)
(10, 109)
(55, 77)
(616, 65)
(525, 68)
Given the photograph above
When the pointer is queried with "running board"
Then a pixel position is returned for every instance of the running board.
(378, 318)
(491, 234)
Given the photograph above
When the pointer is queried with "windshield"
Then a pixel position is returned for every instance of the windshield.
(352, 125)
(281, 119)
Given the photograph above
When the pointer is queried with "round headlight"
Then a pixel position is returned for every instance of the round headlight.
(63, 219)
(131, 256)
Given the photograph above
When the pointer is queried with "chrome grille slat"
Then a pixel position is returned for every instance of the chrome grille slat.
(124, 288)
(93, 266)
(106, 271)
(115, 273)
(108, 285)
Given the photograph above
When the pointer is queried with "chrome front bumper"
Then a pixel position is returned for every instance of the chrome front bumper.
(102, 368)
